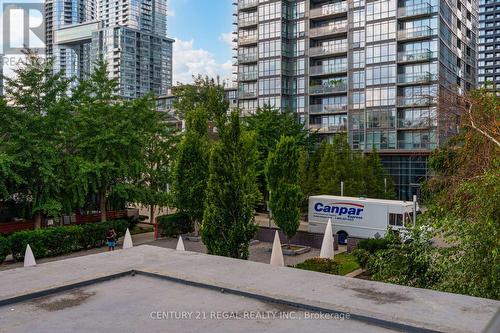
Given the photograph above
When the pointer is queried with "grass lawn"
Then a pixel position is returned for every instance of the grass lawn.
(347, 262)
(140, 230)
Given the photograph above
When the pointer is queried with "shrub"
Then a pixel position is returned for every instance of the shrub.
(372, 245)
(322, 265)
(55, 241)
(174, 225)
(4, 248)
(362, 256)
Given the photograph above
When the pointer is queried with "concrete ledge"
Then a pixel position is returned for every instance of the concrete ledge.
(377, 303)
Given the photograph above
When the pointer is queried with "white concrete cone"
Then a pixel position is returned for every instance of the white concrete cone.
(29, 258)
(127, 241)
(277, 254)
(327, 245)
(180, 244)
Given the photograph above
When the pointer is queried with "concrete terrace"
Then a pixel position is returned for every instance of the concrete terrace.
(119, 290)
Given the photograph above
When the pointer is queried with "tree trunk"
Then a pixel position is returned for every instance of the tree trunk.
(38, 220)
(152, 214)
(102, 205)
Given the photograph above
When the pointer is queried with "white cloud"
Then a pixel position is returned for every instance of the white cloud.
(170, 13)
(227, 37)
(189, 61)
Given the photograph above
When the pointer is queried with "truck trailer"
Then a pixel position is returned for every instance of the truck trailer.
(359, 217)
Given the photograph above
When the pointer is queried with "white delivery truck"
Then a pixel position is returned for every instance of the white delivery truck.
(359, 217)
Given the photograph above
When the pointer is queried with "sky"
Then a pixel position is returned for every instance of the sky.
(202, 32)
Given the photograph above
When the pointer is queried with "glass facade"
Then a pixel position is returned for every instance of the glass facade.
(489, 44)
(376, 70)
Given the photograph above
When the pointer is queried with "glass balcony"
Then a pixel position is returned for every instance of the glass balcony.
(327, 50)
(328, 89)
(410, 79)
(416, 56)
(247, 94)
(421, 9)
(251, 57)
(250, 76)
(326, 128)
(242, 23)
(325, 108)
(405, 145)
(415, 33)
(415, 101)
(323, 70)
(247, 4)
(329, 10)
(414, 123)
(247, 40)
(328, 30)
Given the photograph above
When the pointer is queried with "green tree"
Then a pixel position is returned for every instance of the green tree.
(378, 183)
(228, 220)
(191, 167)
(33, 132)
(282, 172)
(270, 124)
(109, 136)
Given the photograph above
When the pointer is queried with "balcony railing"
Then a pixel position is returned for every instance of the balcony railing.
(324, 128)
(415, 33)
(414, 123)
(328, 30)
(327, 50)
(248, 22)
(415, 101)
(329, 10)
(252, 57)
(247, 94)
(324, 89)
(247, 40)
(415, 56)
(402, 144)
(246, 4)
(425, 77)
(320, 70)
(325, 108)
(251, 76)
(422, 9)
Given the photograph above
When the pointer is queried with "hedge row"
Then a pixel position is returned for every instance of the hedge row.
(55, 241)
(174, 225)
(4, 248)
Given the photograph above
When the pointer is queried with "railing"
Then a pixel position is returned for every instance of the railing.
(247, 22)
(421, 9)
(415, 56)
(251, 76)
(327, 50)
(416, 145)
(319, 70)
(327, 128)
(418, 32)
(247, 40)
(416, 78)
(247, 57)
(323, 89)
(325, 108)
(337, 8)
(247, 94)
(410, 124)
(245, 4)
(327, 30)
(415, 101)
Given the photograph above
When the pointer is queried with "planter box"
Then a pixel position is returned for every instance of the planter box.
(295, 250)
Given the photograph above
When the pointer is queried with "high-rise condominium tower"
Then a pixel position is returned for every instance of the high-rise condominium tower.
(131, 35)
(489, 44)
(378, 71)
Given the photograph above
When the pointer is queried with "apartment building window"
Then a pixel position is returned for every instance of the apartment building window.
(381, 139)
(270, 67)
(358, 100)
(270, 30)
(270, 86)
(381, 118)
(270, 49)
(380, 75)
(298, 10)
(272, 101)
(358, 39)
(358, 18)
(380, 96)
(358, 59)
(270, 11)
(358, 80)
(380, 31)
(380, 53)
(377, 10)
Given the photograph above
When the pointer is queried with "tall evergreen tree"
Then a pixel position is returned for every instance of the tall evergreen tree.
(228, 219)
(378, 183)
(283, 175)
